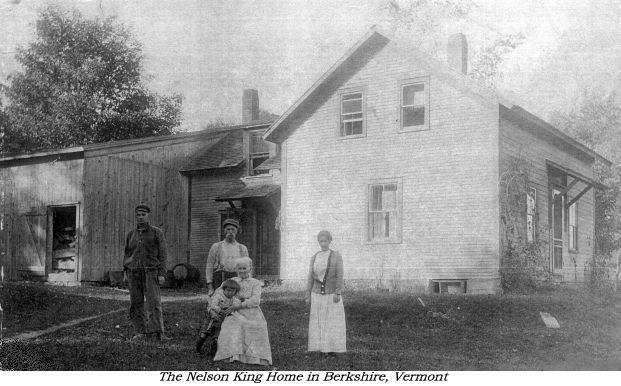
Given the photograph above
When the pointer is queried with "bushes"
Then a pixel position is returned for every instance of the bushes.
(524, 266)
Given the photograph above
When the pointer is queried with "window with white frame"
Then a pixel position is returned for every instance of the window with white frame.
(384, 212)
(259, 152)
(572, 220)
(414, 109)
(531, 210)
(352, 114)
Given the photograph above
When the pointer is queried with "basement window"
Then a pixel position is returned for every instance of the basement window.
(443, 286)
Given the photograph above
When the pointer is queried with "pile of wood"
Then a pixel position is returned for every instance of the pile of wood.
(64, 250)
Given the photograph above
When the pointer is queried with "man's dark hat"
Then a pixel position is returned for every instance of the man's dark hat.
(143, 207)
(230, 221)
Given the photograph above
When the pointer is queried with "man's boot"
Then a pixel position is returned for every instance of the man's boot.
(213, 347)
(199, 343)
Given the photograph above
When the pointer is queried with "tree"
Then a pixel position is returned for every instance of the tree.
(597, 123)
(81, 83)
(486, 63)
(265, 115)
(422, 23)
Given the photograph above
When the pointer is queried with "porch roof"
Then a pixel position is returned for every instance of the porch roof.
(576, 175)
(265, 190)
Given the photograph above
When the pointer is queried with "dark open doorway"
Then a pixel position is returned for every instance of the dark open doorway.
(63, 246)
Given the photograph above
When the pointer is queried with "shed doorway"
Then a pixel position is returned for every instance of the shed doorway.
(63, 244)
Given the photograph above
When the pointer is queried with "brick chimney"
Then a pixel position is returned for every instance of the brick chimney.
(457, 53)
(250, 106)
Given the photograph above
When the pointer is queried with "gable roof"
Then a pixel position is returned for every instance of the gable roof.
(371, 43)
(349, 63)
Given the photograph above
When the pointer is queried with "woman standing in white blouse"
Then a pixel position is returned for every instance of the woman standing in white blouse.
(326, 327)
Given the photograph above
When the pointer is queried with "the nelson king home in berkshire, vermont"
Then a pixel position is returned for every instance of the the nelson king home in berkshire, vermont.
(398, 155)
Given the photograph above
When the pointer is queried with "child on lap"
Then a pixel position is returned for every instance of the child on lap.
(221, 300)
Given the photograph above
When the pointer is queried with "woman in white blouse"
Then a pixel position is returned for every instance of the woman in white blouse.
(243, 336)
(326, 327)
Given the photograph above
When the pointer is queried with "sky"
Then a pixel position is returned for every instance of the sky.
(210, 51)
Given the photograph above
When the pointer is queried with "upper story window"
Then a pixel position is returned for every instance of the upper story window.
(414, 109)
(259, 152)
(351, 114)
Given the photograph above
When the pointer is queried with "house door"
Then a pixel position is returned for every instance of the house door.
(557, 230)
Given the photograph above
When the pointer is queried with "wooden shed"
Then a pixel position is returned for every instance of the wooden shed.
(41, 215)
(64, 214)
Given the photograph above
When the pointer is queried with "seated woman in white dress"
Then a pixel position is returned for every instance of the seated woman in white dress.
(243, 335)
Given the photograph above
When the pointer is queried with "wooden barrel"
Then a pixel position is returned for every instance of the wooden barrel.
(186, 272)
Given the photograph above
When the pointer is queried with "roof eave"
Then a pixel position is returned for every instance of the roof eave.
(65, 151)
(515, 111)
(199, 170)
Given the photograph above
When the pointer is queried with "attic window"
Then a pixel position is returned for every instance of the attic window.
(259, 152)
(414, 109)
(352, 114)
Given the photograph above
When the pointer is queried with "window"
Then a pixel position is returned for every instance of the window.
(531, 209)
(414, 109)
(259, 152)
(573, 226)
(351, 114)
(385, 212)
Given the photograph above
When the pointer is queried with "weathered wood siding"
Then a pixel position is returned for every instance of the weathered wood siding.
(449, 175)
(27, 188)
(517, 143)
(121, 176)
(167, 154)
(113, 188)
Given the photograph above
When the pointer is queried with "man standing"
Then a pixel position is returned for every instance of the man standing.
(222, 255)
(145, 266)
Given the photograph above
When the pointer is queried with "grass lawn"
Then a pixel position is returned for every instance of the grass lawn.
(386, 331)
(29, 306)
